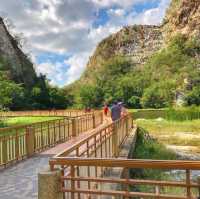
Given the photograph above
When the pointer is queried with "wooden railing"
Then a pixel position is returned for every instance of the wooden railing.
(93, 177)
(17, 143)
(104, 142)
(66, 113)
(88, 169)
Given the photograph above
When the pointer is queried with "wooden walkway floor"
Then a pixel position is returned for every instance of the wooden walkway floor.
(20, 181)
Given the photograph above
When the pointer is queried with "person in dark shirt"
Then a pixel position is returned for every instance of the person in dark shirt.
(115, 111)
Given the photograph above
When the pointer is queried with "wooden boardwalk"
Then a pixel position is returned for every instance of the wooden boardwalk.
(20, 181)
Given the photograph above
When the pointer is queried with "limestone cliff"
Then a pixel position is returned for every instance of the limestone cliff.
(18, 65)
(136, 42)
(183, 16)
(139, 42)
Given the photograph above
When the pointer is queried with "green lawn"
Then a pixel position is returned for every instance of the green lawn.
(16, 121)
(185, 135)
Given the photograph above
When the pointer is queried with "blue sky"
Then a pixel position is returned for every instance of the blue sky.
(61, 34)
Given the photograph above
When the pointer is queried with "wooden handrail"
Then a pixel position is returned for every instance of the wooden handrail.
(23, 141)
(66, 112)
(5, 129)
(124, 194)
(83, 141)
(131, 181)
(127, 163)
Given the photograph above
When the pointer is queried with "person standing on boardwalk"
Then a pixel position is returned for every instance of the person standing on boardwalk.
(105, 110)
(115, 111)
(122, 109)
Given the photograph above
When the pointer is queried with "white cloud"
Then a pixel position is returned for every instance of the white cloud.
(66, 27)
(152, 16)
(121, 3)
(77, 65)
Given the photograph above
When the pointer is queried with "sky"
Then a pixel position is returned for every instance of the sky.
(61, 35)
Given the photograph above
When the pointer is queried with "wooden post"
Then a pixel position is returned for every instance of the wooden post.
(93, 120)
(198, 179)
(188, 184)
(132, 122)
(101, 117)
(72, 182)
(74, 129)
(127, 125)
(114, 141)
(30, 137)
(5, 150)
(17, 145)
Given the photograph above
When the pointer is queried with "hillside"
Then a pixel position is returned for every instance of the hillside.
(139, 42)
(183, 17)
(136, 42)
(162, 59)
(18, 66)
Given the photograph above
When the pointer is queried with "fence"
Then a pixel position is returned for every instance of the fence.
(104, 143)
(66, 113)
(20, 142)
(91, 178)
(88, 170)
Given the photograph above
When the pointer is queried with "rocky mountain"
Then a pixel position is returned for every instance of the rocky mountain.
(16, 63)
(183, 17)
(139, 42)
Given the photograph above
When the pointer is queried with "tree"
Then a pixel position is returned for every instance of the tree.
(193, 97)
(134, 102)
(91, 96)
(9, 91)
(58, 98)
(159, 95)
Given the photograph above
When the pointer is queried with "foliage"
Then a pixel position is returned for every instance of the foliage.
(193, 96)
(183, 114)
(171, 114)
(41, 96)
(149, 148)
(9, 91)
(171, 70)
(158, 95)
(134, 102)
(90, 96)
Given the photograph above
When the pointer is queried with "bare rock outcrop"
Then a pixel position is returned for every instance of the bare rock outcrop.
(18, 66)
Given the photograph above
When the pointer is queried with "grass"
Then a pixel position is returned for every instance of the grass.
(180, 130)
(149, 148)
(17, 121)
(183, 114)
(179, 133)
(179, 114)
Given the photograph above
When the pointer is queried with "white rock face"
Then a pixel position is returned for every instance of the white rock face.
(19, 67)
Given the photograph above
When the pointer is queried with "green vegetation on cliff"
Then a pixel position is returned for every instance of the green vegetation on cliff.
(168, 75)
(20, 87)
(17, 96)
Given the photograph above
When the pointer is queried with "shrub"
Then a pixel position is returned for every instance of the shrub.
(134, 102)
(193, 97)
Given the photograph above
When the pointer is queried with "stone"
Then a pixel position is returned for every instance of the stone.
(49, 185)
(20, 68)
